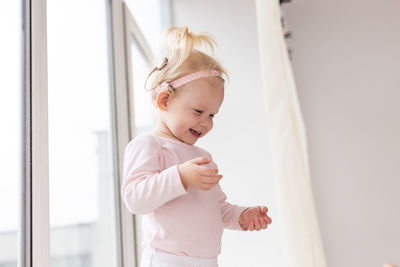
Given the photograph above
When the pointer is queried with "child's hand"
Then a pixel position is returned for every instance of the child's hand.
(254, 218)
(197, 176)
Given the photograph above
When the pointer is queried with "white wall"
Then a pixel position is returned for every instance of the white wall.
(239, 140)
(346, 64)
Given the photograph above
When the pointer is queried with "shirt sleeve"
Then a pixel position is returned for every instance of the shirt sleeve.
(145, 185)
(230, 213)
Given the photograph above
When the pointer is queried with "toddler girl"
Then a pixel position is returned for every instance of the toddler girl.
(169, 180)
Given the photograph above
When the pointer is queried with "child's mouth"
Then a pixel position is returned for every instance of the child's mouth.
(195, 133)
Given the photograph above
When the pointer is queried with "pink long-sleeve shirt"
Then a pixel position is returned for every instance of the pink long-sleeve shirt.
(174, 220)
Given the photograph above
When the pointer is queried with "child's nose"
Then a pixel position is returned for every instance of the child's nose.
(205, 123)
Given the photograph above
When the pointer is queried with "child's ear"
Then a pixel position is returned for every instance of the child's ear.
(162, 100)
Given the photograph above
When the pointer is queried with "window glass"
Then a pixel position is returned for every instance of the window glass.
(148, 17)
(144, 112)
(82, 183)
(11, 129)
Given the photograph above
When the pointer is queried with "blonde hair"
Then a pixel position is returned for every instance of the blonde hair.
(184, 56)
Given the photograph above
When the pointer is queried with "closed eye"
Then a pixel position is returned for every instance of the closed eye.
(201, 112)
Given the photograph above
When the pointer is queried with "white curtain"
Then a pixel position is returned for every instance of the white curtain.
(301, 239)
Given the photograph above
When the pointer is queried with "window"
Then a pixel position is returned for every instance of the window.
(142, 38)
(11, 129)
(150, 16)
(81, 176)
(143, 109)
(87, 128)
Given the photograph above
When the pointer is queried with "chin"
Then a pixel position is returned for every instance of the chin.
(191, 143)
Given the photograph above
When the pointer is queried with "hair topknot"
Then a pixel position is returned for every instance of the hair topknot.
(182, 42)
(186, 52)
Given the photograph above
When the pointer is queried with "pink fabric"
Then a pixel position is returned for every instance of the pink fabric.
(174, 220)
(187, 79)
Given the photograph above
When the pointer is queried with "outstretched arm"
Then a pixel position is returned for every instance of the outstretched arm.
(230, 213)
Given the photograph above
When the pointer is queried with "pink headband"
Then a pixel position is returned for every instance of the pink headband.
(186, 79)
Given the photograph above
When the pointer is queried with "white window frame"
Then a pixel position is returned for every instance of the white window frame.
(134, 34)
(121, 120)
(34, 236)
(34, 227)
(125, 30)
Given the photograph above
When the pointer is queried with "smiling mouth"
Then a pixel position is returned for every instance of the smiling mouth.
(195, 133)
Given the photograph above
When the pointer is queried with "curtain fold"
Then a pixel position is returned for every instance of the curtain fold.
(301, 238)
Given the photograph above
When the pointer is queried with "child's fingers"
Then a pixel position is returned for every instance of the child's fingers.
(251, 225)
(208, 186)
(212, 179)
(209, 182)
(267, 219)
(201, 160)
(263, 223)
(262, 210)
(207, 171)
(257, 224)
